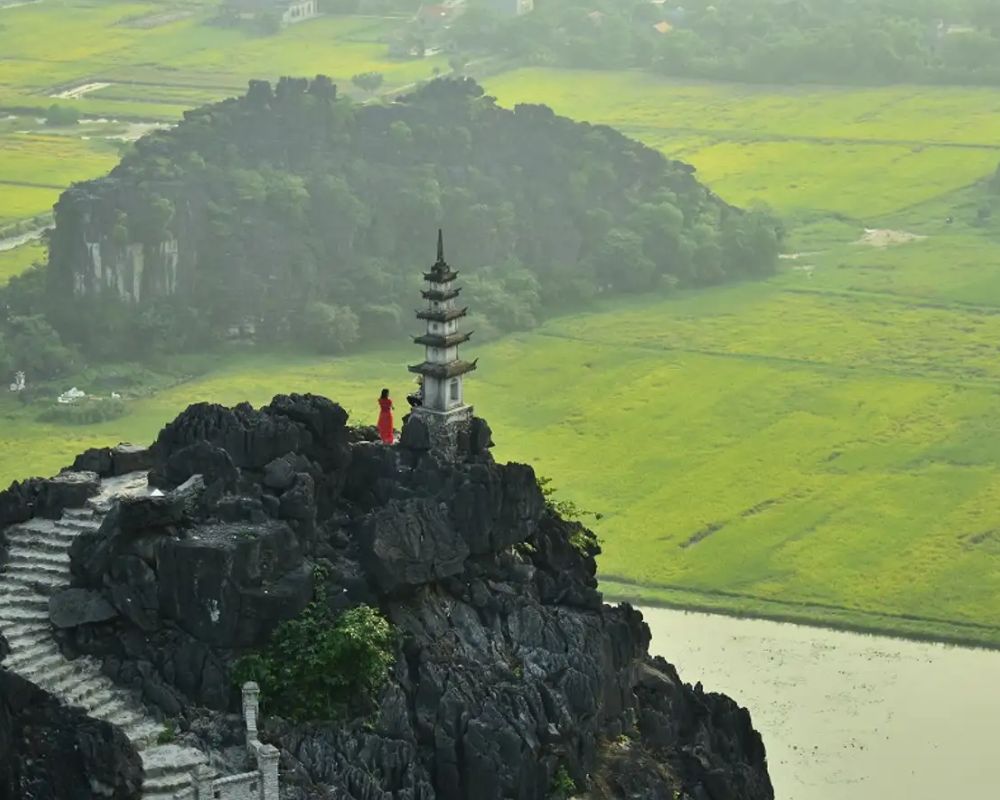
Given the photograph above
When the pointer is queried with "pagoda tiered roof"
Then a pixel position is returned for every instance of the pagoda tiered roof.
(442, 315)
(438, 340)
(440, 272)
(440, 295)
(444, 371)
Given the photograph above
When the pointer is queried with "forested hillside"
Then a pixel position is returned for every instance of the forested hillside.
(307, 218)
(794, 41)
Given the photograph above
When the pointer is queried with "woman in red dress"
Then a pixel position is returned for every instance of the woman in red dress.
(385, 417)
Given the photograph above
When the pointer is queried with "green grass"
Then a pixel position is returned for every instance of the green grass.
(62, 43)
(859, 153)
(155, 73)
(823, 446)
(14, 262)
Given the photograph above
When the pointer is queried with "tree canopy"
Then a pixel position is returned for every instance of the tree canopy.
(312, 217)
(794, 41)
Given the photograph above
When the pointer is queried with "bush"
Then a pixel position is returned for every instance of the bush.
(329, 329)
(318, 668)
(57, 116)
(563, 786)
(84, 412)
(33, 345)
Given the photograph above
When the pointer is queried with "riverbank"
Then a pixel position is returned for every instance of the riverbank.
(905, 627)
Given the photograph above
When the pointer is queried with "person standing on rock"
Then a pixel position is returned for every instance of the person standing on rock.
(385, 430)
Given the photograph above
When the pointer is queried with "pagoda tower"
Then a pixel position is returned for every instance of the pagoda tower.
(443, 410)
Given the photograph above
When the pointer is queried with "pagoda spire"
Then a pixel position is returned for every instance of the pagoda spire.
(442, 406)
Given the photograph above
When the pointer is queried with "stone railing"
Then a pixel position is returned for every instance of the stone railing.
(261, 784)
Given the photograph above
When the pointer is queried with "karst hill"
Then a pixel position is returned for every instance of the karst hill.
(419, 627)
(296, 213)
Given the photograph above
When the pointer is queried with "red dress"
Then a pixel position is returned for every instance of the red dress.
(385, 420)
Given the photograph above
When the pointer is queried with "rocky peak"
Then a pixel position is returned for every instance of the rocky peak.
(509, 671)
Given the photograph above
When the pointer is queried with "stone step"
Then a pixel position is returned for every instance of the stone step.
(76, 687)
(43, 541)
(166, 759)
(22, 656)
(143, 734)
(15, 614)
(87, 692)
(43, 581)
(167, 785)
(16, 593)
(23, 635)
(78, 513)
(21, 566)
(20, 554)
(74, 527)
(47, 670)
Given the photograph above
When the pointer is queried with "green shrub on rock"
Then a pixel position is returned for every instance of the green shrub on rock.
(316, 667)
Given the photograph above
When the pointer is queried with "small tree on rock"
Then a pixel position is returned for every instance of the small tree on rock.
(368, 81)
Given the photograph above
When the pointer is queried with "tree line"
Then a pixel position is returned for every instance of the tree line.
(772, 41)
(310, 218)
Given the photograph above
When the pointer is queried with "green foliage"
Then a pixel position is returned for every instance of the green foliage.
(767, 41)
(328, 329)
(60, 116)
(29, 343)
(168, 734)
(368, 81)
(563, 786)
(86, 411)
(319, 668)
(566, 509)
(306, 224)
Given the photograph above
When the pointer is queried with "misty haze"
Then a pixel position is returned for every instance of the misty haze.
(499, 399)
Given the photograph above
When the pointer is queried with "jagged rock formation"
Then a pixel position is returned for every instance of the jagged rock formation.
(509, 668)
(34, 585)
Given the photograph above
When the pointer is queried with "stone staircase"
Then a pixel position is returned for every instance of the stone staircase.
(38, 566)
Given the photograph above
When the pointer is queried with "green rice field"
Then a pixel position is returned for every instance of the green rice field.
(822, 446)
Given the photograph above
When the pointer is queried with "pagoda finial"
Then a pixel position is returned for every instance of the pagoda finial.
(440, 246)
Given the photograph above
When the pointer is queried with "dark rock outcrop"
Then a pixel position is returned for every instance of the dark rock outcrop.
(509, 667)
(51, 752)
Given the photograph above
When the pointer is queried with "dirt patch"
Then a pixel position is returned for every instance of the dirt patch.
(79, 91)
(885, 237)
(155, 20)
(703, 534)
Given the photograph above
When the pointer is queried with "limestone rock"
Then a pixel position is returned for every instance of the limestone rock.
(410, 544)
(509, 666)
(72, 607)
(51, 752)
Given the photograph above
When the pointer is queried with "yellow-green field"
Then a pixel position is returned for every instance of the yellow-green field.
(860, 153)
(14, 262)
(149, 61)
(60, 44)
(822, 446)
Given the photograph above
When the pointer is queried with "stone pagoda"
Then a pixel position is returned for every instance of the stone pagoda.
(442, 407)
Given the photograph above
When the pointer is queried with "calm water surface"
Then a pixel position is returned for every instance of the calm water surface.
(846, 716)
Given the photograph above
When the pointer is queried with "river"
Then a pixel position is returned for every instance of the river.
(847, 716)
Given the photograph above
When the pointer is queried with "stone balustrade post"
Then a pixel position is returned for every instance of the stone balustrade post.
(251, 704)
(267, 764)
(204, 778)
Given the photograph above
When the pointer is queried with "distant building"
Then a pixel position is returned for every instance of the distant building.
(287, 11)
(663, 27)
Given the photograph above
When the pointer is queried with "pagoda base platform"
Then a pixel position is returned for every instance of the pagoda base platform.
(443, 432)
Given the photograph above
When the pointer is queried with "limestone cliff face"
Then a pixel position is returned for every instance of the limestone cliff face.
(509, 665)
(91, 253)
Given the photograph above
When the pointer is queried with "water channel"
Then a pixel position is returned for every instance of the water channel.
(847, 716)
